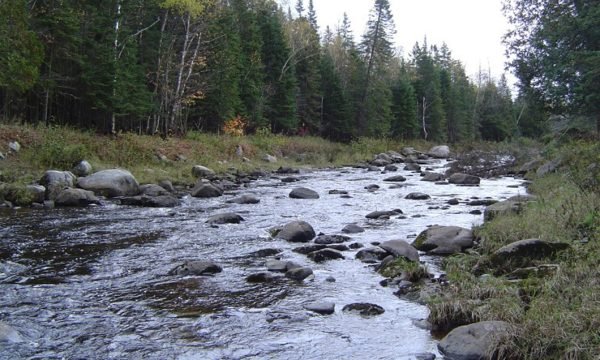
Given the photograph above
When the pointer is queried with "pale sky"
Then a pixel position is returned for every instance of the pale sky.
(473, 29)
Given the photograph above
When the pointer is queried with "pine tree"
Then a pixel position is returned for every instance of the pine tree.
(336, 117)
(404, 107)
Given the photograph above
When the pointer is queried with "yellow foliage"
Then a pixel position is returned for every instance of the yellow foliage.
(235, 126)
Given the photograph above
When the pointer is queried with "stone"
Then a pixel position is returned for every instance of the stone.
(521, 253)
(287, 170)
(391, 168)
(453, 201)
(280, 266)
(371, 255)
(14, 146)
(352, 229)
(383, 214)
(444, 240)
(363, 309)
(331, 239)
(83, 168)
(372, 187)
(400, 248)
(530, 166)
(199, 171)
(167, 185)
(206, 190)
(547, 168)
(261, 277)
(153, 190)
(299, 274)
(225, 218)
(338, 192)
(321, 307)
(502, 207)
(303, 193)
(474, 341)
(307, 249)
(408, 151)
(266, 252)
(482, 202)
(244, 199)
(325, 255)
(397, 178)
(463, 179)
(297, 231)
(412, 167)
(161, 201)
(269, 158)
(439, 152)
(55, 181)
(76, 197)
(417, 196)
(289, 179)
(196, 267)
(38, 193)
(110, 183)
(432, 176)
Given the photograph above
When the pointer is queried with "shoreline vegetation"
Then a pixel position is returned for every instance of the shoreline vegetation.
(549, 299)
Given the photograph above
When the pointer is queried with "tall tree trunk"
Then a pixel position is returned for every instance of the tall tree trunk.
(362, 112)
(113, 120)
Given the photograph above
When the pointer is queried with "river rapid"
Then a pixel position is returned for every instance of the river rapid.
(93, 283)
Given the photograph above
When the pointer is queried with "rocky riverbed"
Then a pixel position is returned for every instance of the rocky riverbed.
(221, 277)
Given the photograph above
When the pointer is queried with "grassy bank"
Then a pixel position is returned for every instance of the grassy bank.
(556, 313)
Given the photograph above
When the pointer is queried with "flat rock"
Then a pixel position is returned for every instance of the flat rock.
(197, 267)
(417, 196)
(432, 176)
(364, 309)
(464, 179)
(400, 248)
(321, 307)
(521, 253)
(296, 231)
(397, 178)
(266, 252)
(473, 341)
(352, 229)
(380, 214)
(303, 193)
(331, 239)
(280, 266)
(371, 255)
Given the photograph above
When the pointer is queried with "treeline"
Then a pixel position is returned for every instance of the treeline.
(169, 66)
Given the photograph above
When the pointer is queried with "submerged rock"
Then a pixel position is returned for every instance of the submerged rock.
(9, 334)
(364, 309)
(225, 218)
(244, 199)
(197, 267)
(162, 201)
(397, 178)
(381, 214)
(261, 277)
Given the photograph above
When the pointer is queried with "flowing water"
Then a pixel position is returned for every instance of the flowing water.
(93, 283)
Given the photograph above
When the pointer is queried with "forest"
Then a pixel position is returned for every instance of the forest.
(246, 66)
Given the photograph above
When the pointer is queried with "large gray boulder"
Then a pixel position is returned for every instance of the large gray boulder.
(400, 248)
(432, 176)
(440, 152)
(206, 190)
(299, 273)
(111, 183)
(38, 193)
(153, 190)
(76, 197)
(199, 171)
(474, 341)
(303, 193)
(521, 253)
(325, 255)
(371, 255)
(444, 240)
(463, 179)
(503, 207)
(55, 181)
(297, 231)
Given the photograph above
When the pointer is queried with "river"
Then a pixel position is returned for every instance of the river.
(93, 283)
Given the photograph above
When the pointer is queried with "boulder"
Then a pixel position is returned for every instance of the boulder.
(297, 231)
(400, 248)
(14, 146)
(502, 207)
(167, 185)
(199, 171)
(417, 196)
(206, 190)
(197, 267)
(110, 183)
(75, 197)
(83, 168)
(153, 190)
(453, 201)
(266, 252)
(244, 199)
(225, 218)
(480, 202)
(363, 309)
(444, 240)
(432, 176)
(287, 170)
(280, 266)
(371, 255)
(321, 307)
(331, 239)
(521, 253)
(463, 179)
(299, 273)
(352, 229)
(161, 201)
(408, 151)
(380, 162)
(307, 249)
(261, 277)
(547, 168)
(325, 255)
(55, 181)
(38, 193)
(412, 167)
(397, 178)
(439, 152)
(269, 158)
(383, 214)
(303, 193)
(338, 192)
(391, 168)
(474, 341)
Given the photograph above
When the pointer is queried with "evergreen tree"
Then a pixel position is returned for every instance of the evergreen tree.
(404, 107)
(336, 118)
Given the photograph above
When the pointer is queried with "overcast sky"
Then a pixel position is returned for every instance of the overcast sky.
(473, 29)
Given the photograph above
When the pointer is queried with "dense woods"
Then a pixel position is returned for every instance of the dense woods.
(169, 66)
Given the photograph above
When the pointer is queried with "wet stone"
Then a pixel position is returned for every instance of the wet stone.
(322, 307)
(352, 229)
(364, 309)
